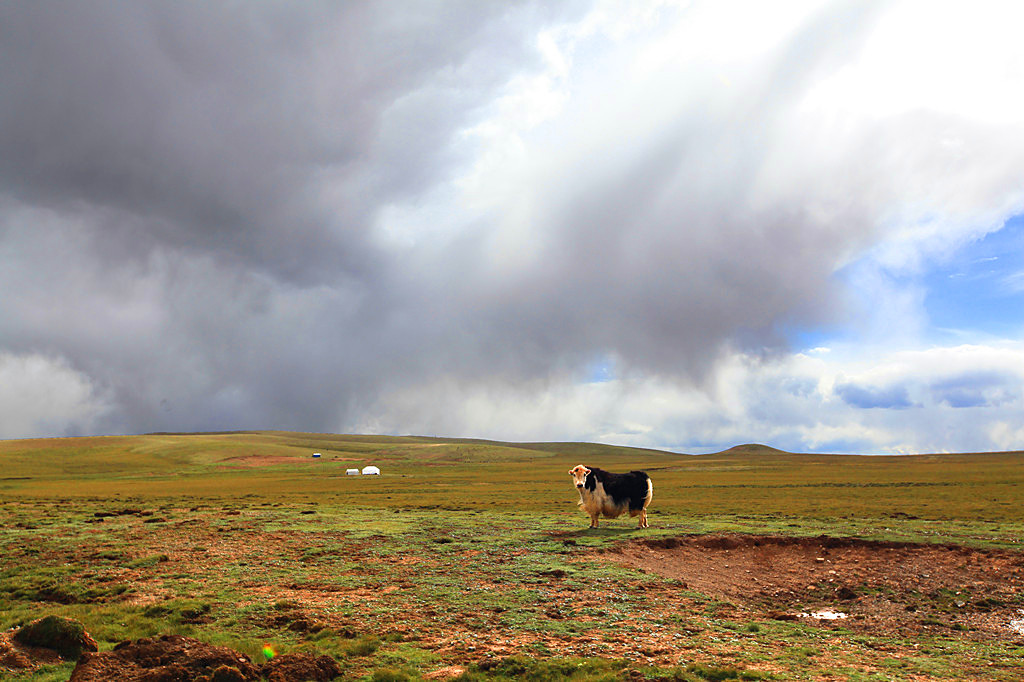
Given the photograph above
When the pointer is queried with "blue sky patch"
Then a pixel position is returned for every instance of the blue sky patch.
(981, 289)
(601, 370)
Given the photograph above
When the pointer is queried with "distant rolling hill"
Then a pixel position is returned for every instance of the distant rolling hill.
(753, 449)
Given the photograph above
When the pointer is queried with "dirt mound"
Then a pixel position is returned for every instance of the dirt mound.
(174, 658)
(296, 621)
(171, 658)
(64, 635)
(300, 667)
(879, 585)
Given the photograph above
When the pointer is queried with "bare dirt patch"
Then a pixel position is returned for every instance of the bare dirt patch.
(17, 657)
(254, 461)
(881, 586)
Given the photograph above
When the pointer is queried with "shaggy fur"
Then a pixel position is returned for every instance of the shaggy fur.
(603, 493)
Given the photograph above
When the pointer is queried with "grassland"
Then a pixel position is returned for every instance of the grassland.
(472, 554)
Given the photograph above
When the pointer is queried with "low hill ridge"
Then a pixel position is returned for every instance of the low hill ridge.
(753, 449)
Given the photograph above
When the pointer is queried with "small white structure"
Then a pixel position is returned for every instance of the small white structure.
(352, 472)
(371, 471)
(316, 455)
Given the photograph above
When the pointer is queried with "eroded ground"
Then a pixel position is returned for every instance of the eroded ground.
(869, 586)
(426, 591)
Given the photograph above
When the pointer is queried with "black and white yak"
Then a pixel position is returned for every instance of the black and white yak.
(611, 495)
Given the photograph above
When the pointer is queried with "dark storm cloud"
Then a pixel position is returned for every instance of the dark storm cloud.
(217, 126)
(188, 191)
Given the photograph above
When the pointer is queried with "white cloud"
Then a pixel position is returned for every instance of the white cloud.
(1014, 283)
(43, 396)
(1006, 435)
(965, 398)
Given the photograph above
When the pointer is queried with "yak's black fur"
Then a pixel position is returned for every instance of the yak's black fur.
(620, 487)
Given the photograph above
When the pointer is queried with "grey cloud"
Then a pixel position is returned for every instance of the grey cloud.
(214, 126)
(187, 192)
(869, 397)
(977, 389)
(652, 246)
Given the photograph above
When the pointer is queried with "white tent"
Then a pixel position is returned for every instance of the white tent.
(352, 472)
(371, 471)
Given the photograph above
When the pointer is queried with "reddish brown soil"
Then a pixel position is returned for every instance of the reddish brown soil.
(183, 659)
(15, 656)
(881, 586)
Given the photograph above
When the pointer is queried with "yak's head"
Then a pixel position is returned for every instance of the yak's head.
(579, 475)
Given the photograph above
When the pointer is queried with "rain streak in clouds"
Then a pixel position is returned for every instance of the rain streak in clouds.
(605, 221)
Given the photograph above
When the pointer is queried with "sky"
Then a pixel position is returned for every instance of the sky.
(681, 225)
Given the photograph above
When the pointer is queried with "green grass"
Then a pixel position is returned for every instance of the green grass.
(469, 475)
(468, 552)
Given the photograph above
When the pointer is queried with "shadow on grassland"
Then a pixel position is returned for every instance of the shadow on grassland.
(613, 532)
